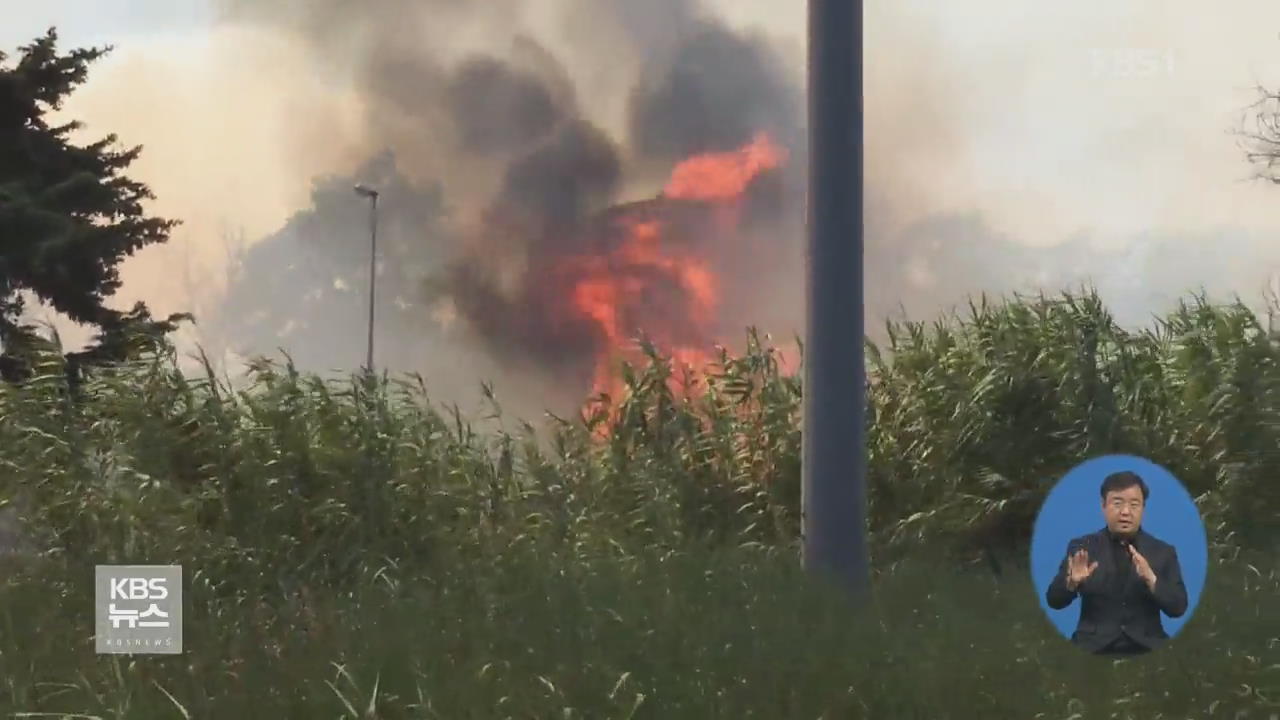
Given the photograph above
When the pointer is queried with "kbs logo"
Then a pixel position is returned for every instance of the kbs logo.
(138, 589)
(138, 609)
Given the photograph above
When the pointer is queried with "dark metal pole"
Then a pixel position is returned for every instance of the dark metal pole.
(834, 461)
(373, 270)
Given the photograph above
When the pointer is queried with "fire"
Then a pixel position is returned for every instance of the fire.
(723, 176)
(616, 291)
(654, 282)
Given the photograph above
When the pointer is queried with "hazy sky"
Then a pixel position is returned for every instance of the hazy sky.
(1039, 118)
(94, 22)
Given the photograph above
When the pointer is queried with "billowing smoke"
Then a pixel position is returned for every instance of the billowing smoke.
(573, 172)
(714, 92)
(544, 268)
(997, 158)
(499, 109)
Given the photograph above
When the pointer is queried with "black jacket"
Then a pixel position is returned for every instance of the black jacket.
(1114, 600)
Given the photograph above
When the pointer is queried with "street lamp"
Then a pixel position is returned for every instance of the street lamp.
(368, 192)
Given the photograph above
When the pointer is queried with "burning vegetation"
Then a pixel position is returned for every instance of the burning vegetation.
(647, 269)
(538, 258)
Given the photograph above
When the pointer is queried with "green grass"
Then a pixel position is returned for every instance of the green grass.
(536, 633)
(351, 550)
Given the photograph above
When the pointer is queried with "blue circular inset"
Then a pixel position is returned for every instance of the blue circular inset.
(1074, 508)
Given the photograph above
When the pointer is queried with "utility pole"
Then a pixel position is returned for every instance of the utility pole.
(365, 191)
(834, 461)
(369, 528)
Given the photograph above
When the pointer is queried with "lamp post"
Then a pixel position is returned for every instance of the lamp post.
(366, 191)
(834, 455)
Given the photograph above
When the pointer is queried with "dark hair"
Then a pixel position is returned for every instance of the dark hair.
(1122, 481)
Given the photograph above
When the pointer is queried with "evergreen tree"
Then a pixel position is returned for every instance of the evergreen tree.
(68, 214)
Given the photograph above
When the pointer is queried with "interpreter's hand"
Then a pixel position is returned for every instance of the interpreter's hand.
(1143, 568)
(1079, 568)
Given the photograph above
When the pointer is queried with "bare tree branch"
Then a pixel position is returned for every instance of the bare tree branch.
(1259, 134)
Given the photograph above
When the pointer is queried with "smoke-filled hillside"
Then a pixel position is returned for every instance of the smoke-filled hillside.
(515, 225)
(539, 132)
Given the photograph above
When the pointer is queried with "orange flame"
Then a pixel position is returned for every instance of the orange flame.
(723, 176)
(611, 290)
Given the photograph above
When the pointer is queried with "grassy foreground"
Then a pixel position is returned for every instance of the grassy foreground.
(535, 633)
(352, 551)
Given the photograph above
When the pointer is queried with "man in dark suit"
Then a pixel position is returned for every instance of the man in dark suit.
(1123, 575)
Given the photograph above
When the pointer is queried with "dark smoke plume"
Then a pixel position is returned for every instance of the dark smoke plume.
(714, 92)
(529, 174)
(575, 172)
(498, 108)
